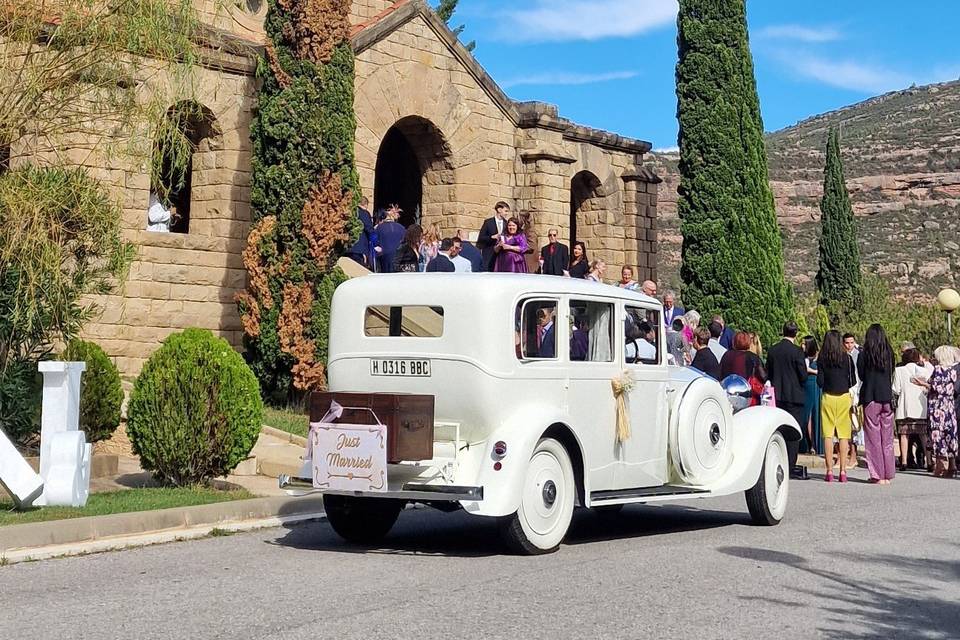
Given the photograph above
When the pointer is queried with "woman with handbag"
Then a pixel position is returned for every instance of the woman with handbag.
(742, 362)
(875, 367)
(835, 375)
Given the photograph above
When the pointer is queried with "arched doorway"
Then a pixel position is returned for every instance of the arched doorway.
(586, 202)
(414, 171)
(182, 139)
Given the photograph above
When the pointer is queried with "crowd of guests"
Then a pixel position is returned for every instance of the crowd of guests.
(842, 394)
(505, 243)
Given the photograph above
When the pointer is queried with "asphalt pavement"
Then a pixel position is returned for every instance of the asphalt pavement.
(849, 561)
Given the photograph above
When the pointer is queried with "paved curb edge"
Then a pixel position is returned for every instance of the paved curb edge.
(292, 438)
(28, 540)
(150, 538)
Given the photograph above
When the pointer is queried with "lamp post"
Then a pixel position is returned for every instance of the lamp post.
(949, 301)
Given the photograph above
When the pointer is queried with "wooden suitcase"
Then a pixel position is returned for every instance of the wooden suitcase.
(408, 418)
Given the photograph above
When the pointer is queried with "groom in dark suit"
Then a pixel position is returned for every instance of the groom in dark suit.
(555, 257)
(787, 372)
(490, 234)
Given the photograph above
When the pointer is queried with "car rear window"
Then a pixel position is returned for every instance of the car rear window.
(385, 321)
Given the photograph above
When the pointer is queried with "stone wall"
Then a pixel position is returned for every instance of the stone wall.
(185, 280)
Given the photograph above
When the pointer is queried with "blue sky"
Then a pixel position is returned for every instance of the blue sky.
(610, 63)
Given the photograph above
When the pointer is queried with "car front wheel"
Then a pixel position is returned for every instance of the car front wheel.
(361, 520)
(546, 503)
(767, 499)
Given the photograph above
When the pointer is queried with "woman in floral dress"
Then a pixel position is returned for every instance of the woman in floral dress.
(942, 412)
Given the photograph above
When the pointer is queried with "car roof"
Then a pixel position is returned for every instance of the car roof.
(454, 286)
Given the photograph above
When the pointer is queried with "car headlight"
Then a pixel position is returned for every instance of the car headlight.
(738, 392)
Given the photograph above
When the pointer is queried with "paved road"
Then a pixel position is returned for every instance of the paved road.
(851, 561)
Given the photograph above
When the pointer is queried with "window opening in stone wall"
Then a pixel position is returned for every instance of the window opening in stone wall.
(584, 187)
(178, 139)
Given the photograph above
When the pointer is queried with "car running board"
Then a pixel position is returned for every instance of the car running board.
(597, 498)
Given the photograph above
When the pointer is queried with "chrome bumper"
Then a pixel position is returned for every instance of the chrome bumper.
(412, 492)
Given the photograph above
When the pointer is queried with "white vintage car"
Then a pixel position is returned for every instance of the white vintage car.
(522, 371)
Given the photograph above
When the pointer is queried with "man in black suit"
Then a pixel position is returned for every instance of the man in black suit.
(555, 257)
(470, 252)
(443, 263)
(490, 234)
(546, 334)
(787, 372)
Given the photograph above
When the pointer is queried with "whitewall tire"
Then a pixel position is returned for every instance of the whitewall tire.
(767, 499)
(546, 503)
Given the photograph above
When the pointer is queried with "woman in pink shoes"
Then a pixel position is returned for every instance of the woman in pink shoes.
(836, 373)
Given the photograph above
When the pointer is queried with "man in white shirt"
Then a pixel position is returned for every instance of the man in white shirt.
(640, 345)
(461, 264)
(716, 330)
(158, 216)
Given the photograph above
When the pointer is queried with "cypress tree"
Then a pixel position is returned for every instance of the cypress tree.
(838, 279)
(732, 256)
(445, 10)
(303, 193)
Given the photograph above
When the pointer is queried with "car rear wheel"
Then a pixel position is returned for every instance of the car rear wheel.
(546, 502)
(361, 520)
(767, 499)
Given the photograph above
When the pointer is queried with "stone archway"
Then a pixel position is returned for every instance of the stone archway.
(586, 202)
(414, 170)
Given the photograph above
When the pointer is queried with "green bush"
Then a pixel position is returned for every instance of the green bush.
(101, 393)
(921, 323)
(195, 411)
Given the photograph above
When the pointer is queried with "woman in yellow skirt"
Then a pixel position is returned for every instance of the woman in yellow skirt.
(836, 375)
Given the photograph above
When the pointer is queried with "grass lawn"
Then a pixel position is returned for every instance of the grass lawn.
(295, 422)
(125, 501)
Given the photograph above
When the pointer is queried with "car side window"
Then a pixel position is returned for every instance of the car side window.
(591, 331)
(642, 336)
(535, 329)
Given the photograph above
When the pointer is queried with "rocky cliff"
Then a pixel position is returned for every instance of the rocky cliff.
(901, 154)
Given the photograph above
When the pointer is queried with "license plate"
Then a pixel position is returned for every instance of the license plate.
(400, 367)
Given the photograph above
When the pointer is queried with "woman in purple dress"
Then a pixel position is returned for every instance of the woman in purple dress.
(942, 411)
(510, 249)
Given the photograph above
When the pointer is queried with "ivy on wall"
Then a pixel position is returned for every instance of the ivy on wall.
(303, 195)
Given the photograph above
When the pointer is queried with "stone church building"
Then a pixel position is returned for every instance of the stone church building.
(434, 131)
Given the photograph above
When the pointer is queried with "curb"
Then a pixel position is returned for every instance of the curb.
(41, 540)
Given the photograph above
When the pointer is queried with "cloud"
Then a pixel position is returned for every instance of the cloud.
(558, 78)
(673, 149)
(846, 74)
(566, 20)
(799, 33)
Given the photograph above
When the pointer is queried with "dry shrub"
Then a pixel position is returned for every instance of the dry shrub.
(317, 27)
(297, 306)
(325, 217)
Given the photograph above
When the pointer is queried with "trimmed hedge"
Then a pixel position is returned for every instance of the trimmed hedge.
(195, 411)
(101, 393)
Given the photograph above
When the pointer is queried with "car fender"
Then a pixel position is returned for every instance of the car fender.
(521, 431)
(752, 429)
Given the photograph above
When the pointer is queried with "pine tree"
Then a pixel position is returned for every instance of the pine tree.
(445, 11)
(838, 279)
(303, 194)
(732, 256)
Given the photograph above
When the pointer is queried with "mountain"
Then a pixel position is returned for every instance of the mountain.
(901, 154)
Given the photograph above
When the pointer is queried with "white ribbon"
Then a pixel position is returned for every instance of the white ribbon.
(334, 413)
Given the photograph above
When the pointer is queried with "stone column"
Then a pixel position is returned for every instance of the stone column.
(543, 189)
(640, 204)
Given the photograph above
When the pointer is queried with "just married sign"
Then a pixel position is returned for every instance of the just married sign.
(348, 457)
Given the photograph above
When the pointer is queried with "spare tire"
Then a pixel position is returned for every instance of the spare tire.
(700, 445)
